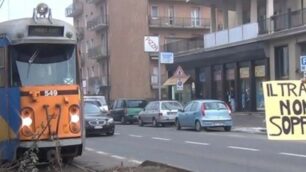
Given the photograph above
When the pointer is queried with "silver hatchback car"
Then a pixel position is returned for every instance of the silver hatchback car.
(159, 113)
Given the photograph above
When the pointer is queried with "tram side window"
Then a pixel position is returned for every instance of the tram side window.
(2, 67)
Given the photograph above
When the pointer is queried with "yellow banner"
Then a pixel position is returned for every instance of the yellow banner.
(285, 106)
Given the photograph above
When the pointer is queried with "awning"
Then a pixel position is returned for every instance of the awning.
(172, 81)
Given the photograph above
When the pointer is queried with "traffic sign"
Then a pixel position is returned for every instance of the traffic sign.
(151, 44)
(303, 63)
(179, 72)
(179, 85)
(166, 57)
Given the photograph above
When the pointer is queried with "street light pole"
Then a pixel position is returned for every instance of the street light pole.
(159, 78)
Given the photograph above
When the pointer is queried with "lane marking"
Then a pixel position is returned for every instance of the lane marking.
(117, 133)
(197, 143)
(243, 148)
(102, 153)
(159, 138)
(118, 157)
(89, 149)
(293, 154)
(137, 136)
(135, 161)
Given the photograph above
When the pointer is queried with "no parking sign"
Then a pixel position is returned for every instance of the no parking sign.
(179, 85)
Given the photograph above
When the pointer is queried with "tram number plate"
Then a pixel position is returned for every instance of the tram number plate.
(51, 93)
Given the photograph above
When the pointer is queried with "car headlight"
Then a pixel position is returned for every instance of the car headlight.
(111, 120)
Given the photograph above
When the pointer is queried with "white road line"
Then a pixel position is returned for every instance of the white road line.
(138, 136)
(118, 157)
(89, 149)
(293, 154)
(243, 148)
(102, 153)
(117, 133)
(135, 161)
(197, 143)
(159, 138)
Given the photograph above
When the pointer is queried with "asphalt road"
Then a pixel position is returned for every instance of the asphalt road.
(212, 151)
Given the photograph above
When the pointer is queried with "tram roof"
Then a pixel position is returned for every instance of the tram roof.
(16, 31)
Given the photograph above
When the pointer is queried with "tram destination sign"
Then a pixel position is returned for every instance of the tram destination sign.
(55, 31)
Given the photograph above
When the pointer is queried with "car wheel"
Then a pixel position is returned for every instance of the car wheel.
(122, 120)
(140, 122)
(198, 126)
(228, 128)
(154, 123)
(111, 132)
(177, 124)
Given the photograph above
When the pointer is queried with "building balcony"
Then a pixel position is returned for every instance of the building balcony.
(97, 23)
(184, 45)
(280, 22)
(80, 33)
(97, 53)
(74, 10)
(179, 22)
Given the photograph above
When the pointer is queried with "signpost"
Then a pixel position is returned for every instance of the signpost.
(179, 85)
(151, 45)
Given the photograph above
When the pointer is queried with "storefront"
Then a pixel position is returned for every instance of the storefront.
(234, 75)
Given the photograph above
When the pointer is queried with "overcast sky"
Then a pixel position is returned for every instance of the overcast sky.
(14, 9)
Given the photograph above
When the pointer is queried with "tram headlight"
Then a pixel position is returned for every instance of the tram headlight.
(27, 121)
(74, 112)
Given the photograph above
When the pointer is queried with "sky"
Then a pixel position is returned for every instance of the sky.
(14, 9)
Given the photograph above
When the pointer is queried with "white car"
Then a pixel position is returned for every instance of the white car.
(159, 112)
(99, 101)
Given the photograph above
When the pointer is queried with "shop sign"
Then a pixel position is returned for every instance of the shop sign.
(260, 71)
(230, 74)
(244, 72)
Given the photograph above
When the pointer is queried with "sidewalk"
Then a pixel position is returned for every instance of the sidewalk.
(249, 122)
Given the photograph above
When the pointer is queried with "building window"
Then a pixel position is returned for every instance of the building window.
(154, 12)
(171, 15)
(195, 16)
(2, 67)
(282, 63)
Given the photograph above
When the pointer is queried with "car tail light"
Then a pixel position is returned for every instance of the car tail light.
(228, 108)
(203, 109)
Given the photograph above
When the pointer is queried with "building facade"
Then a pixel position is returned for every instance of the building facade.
(111, 42)
(258, 40)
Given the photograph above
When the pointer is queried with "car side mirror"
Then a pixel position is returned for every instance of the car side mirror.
(181, 110)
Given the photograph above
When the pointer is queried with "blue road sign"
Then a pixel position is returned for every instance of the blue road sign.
(166, 57)
(303, 63)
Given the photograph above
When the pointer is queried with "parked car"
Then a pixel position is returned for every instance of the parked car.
(98, 100)
(96, 121)
(159, 112)
(204, 114)
(127, 110)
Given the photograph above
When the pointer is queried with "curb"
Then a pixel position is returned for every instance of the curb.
(251, 130)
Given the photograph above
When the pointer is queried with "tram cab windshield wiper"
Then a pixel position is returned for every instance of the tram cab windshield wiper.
(31, 60)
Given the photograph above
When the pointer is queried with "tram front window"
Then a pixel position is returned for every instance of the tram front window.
(43, 64)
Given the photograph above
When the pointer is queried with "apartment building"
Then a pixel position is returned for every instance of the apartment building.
(260, 40)
(111, 42)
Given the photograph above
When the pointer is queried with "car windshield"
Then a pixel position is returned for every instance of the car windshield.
(135, 103)
(43, 64)
(214, 106)
(91, 109)
(171, 106)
